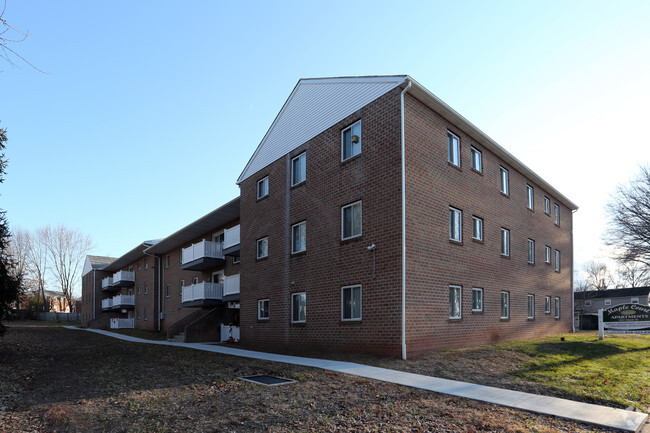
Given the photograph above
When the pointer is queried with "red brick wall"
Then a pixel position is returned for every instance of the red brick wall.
(434, 263)
(88, 286)
(329, 263)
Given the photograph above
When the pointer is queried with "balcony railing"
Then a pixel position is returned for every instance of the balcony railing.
(231, 285)
(107, 304)
(122, 277)
(203, 249)
(107, 282)
(202, 291)
(121, 323)
(231, 237)
(124, 301)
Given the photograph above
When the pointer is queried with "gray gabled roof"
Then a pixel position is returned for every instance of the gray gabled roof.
(613, 293)
(215, 219)
(131, 256)
(99, 262)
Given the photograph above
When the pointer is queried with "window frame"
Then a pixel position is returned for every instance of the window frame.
(264, 182)
(505, 307)
(146, 287)
(634, 300)
(302, 157)
(458, 297)
(293, 299)
(455, 219)
(360, 300)
(547, 305)
(547, 254)
(352, 206)
(477, 229)
(558, 260)
(293, 233)
(167, 261)
(607, 302)
(530, 197)
(264, 240)
(478, 290)
(547, 205)
(476, 156)
(558, 307)
(556, 208)
(350, 128)
(168, 290)
(453, 150)
(504, 180)
(505, 242)
(531, 306)
(260, 309)
(181, 285)
(531, 251)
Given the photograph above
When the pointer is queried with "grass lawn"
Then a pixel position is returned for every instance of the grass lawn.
(614, 371)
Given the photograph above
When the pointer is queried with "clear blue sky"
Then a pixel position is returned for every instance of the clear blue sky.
(151, 109)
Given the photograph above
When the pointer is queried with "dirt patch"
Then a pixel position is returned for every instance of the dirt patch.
(59, 380)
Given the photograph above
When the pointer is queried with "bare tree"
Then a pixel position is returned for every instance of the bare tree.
(633, 275)
(67, 248)
(598, 276)
(37, 261)
(18, 247)
(629, 213)
(9, 35)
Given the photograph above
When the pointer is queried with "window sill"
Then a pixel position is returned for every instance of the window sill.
(477, 312)
(457, 167)
(531, 210)
(505, 195)
(351, 322)
(299, 184)
(478, 241)
(505, 319)
(262, 320)
(352, 238)
(503, 256)
(530, 319)
(258, 259)
(259, 199)
(531, 264)
(299, 324)
(453, 242)
(477, 171)
(454, 319)
(299, 253)
(352, 158)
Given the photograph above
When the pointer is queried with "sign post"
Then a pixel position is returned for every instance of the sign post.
(624, 319)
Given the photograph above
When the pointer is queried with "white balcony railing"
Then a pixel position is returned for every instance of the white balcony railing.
(123, 276)
(107, 282)
(202, 291)
(121, 323)
(124, 300)
(201, 250)
(231, 237)
(231, 285)
(107, 303)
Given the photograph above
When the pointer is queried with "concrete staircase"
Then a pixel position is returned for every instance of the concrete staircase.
(178, 338)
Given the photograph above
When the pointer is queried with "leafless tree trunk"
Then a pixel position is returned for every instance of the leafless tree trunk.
(598, 276)
(37, 258)
(629, 213)
(67, 249)
(18, 247)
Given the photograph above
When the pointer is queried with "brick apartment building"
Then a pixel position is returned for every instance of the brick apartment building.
(376, 218)
(372, 218)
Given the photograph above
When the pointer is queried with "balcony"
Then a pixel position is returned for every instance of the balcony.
(231, 288)
(231, 241)
(202, 256)
(118, 302)
(107, 285)
(122, 323)
(123, 279)
(203, 295)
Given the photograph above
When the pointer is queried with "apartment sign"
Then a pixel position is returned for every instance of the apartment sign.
(626, 319)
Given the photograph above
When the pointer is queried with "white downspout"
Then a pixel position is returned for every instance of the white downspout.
(94, 288)
(404, 224)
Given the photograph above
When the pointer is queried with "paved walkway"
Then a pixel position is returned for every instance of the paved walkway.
(583, 412)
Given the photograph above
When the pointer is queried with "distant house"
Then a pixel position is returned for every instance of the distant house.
(588, 303)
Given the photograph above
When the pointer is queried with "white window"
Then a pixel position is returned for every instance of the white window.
(634, 300)
(146, 263)
(262, 248)
(145, 314)
(477, 159)
(531, 306)
(299, 307)
(299, 169)
(530, 193)
(557, 213)
(167, 261)
(477, 299)
(195, 280)
(351, 141)
(146, 288)
(351, 221)
(547, 254)
(547, 205)
(168, 290)
(505, 305)
(455, 224)
(263, 309)
(138, 290)
(454, 148)
(262, 187)
(477, 228)
(547, 305)
(505, 185)
(455, 302)
(235, 259)
(531, 251)
(557, 308)
(299, 237)
(181, 284)
(557, 261)
(608, 302)
(505, 242)
(351, 303)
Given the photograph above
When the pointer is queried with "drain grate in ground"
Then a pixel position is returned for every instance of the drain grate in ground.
(264, 379)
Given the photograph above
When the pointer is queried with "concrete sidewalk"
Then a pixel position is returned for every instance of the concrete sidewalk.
(583, 412)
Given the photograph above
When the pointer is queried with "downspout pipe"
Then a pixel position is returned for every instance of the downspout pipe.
(159, 286)
(403, 149)
(573, 307)
(94, 288)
